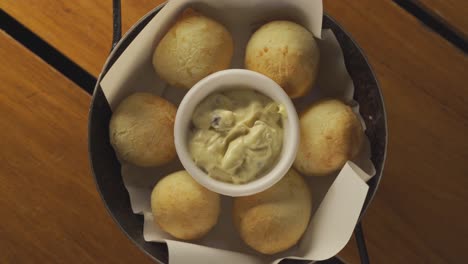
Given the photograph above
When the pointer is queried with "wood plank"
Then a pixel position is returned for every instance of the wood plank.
(454, 13)
(51, 211)
(81, 30)
(419, 213)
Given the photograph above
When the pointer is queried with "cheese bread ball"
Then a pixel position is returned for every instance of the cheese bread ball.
(193, 48)
(142, 130)
(331, 134)
(274, 220)
(184, 208)
(287, 53)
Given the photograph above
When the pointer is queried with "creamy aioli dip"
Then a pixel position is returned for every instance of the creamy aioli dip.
(237, 135)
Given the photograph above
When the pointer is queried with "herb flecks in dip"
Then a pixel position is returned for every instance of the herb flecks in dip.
(237, 135)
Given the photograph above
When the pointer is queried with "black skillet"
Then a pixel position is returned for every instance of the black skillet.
(106, 168)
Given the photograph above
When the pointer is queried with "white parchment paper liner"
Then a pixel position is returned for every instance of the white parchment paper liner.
(337, 199)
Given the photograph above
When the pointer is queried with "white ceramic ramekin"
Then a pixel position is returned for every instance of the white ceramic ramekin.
(226, 80)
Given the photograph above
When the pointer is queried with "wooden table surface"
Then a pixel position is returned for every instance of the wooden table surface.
(52, 213)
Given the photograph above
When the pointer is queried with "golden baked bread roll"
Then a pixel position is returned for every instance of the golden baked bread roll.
(287, 53)
(331, 134)
(274, 220)
(184, 208)
(193, 48)
(142, 130)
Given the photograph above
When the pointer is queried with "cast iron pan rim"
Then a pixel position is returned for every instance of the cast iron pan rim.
(107, 66)
(104, 70)
(379, 175)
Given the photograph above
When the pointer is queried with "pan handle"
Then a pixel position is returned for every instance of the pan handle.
(361, 243)
(117, 22)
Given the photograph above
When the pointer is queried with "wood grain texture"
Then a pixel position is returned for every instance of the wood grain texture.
(454, 13)
(81, 30)
(420, 212)
(51, 211)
